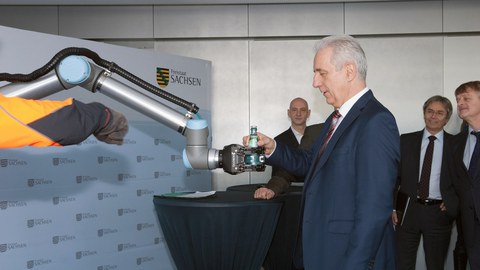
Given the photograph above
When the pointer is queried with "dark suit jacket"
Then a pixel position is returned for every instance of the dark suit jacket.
(467, 188)
(287, 137)
(281, 179)
(310, 135)
(409, 169)
(348, 196)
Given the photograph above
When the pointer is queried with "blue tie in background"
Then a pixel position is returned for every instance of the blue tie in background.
(473, 166)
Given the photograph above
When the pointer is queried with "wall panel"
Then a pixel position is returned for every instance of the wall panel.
(200, 21)
(393, 17)
(295, 20)
(461, 58)
(35, 18)
(461, 16)
(403, 73)
(106, 22)
(279, 72)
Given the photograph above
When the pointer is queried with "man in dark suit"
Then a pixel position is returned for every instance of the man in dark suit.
(298, 112)
(280, 180)
(431, 214)
(350, 170)
(465, 168)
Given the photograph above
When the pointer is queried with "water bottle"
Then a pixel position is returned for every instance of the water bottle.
(252, 158)
(252, 142)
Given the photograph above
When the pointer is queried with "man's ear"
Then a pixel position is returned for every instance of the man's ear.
(351, 71)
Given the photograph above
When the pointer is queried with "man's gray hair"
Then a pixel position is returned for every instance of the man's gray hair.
(346, 49)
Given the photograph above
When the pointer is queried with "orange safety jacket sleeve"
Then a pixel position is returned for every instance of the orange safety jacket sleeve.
(42, 123)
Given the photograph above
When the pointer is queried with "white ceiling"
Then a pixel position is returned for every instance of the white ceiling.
(169, 2)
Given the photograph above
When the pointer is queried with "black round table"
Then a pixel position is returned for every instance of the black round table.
(230, 230)
(280, 253)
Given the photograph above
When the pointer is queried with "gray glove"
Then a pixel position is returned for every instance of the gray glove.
(114, 130)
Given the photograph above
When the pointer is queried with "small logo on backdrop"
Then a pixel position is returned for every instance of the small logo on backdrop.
(84, 253)
(157, 175)
(107, 267)
(4, 162)
(143, 192)
(106, 231)
(144, 158)
(106, 159)
(39, 262)
(193, 173)
(126, 246)
(83, 216)
(38, 181)
(106, 195)
(163, 77)
(38, 222)
(11, 246)
(158, 141)
(10, 204)
(126, 211)
(57, 239)
(63, 199)
(62, 161)
(141, 260)
(125, 176)
(85, 178)
(143, 226)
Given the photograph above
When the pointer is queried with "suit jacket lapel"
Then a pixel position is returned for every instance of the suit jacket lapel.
(292, 140)
(417, 150)
(447, 137)
(459, 152)
(344, 125)
(316, 148)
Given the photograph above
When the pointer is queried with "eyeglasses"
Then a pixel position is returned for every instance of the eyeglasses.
(440, 114)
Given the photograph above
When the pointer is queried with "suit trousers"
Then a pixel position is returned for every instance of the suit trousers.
(473, 251)
(429, 222)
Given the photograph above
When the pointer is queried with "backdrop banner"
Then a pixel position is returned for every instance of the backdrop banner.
(90, 206)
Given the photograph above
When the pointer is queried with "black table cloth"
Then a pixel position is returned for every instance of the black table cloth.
(230, 230)
(280, 253)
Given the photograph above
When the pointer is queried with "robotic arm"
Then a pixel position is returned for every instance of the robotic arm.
(70, 68)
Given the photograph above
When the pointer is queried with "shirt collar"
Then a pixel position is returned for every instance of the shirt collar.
(295, 132)
(427, 134)
(345, 108)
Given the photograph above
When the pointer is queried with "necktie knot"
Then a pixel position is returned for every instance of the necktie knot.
(476, 134)
(336, 115)
(433, 138)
